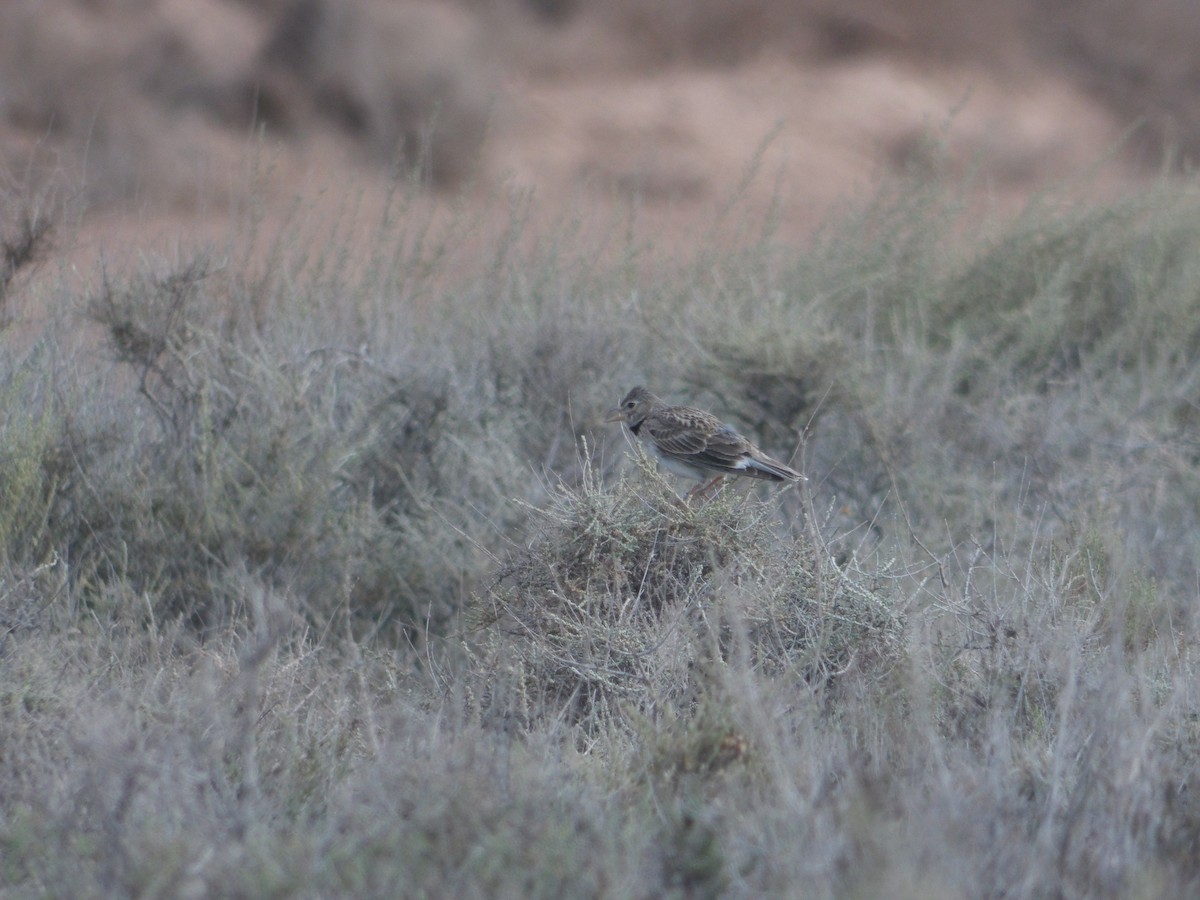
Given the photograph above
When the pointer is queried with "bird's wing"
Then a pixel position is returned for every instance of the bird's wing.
(726, 449)
(681, 431)
(700, 437)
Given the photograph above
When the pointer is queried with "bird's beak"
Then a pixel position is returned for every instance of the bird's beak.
(614, 415)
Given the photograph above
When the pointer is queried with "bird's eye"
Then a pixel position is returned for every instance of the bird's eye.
(629, 404)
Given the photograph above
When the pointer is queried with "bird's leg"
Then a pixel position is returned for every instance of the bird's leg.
(703, 488)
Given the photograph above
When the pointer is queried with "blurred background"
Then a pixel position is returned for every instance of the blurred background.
(158, 118)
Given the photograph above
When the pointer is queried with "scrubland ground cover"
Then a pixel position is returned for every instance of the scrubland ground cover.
(320, 576)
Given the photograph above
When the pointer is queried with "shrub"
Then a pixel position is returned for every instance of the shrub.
(622, 595)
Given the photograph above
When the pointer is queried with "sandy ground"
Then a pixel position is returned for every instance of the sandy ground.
(148, 130)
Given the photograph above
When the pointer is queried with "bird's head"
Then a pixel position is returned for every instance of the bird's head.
(634, 408)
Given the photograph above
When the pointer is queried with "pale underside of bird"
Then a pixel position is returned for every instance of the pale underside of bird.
(695, 444)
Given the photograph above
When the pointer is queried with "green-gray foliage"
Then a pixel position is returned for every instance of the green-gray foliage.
(324, 578)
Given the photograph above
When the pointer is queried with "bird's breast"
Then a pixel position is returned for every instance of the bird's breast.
(678, 467)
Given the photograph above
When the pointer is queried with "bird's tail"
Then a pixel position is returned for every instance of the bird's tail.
(772, 469)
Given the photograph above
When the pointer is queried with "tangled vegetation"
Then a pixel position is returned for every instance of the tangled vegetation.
(330, 581)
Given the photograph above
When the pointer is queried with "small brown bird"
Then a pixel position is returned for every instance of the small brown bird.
(693, 443)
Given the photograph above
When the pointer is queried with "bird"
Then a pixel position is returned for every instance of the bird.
(693, 443)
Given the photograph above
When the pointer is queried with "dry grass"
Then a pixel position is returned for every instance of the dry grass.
(625, 599)
(333, 600)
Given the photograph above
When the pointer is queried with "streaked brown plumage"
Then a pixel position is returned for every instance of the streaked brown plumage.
(693, 443)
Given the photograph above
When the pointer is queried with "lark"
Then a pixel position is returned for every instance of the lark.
(695, 444)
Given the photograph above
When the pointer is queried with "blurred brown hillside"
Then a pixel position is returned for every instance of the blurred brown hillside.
(161, 114)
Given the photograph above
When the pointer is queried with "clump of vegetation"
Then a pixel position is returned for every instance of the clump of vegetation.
(626, 595)
(212, 460)
(23, 244)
